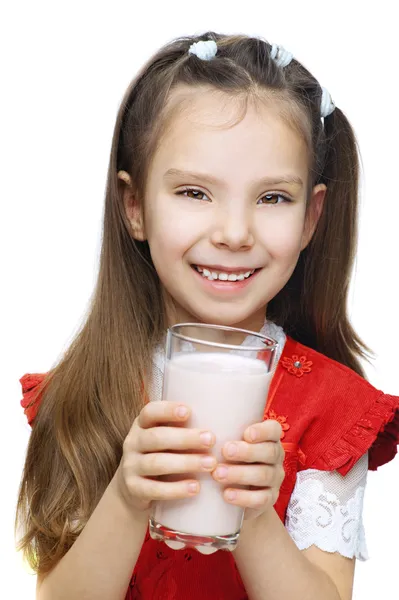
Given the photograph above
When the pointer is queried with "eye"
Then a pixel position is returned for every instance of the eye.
(274, 198)
(196, 196)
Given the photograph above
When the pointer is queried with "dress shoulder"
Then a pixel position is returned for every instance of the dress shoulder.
(375, 430)
(345, 415)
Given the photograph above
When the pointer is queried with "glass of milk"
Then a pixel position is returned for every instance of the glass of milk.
(225, 382)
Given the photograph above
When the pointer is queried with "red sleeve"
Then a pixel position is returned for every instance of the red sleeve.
(340, 415)
(385, 445)
(376, 431)
(32, 394)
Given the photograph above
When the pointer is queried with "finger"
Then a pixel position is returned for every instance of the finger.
(267, 431)
(256, 475)
(162, 412)
(257, 499)
(151, 489)
(158, 463)
(161, 438)
(266, 452)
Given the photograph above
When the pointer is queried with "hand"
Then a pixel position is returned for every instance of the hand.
(154, 448)
(258, 466)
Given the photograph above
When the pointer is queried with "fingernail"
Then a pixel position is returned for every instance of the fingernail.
(208, 462)
(193, 487)
(206, 438)
(221, 472)
(231, 495)
(181, 411)
(253, 434)
(231, 449)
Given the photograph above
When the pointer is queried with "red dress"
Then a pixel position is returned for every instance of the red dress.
(330, 417)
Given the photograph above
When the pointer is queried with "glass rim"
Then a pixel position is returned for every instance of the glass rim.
(269, 344)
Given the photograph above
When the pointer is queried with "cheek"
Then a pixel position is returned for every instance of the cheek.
(170, 232)
(171, 239)
(282, 237)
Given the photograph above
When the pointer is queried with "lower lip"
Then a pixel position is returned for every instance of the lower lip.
(225, 286)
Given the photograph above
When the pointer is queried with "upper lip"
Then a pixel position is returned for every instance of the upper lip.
(222, 269)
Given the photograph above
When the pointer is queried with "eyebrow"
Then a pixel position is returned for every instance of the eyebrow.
(290, 179)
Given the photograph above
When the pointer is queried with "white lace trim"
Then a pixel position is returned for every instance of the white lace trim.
(325, 510)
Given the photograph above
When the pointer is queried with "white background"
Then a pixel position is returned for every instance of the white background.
(65, 67)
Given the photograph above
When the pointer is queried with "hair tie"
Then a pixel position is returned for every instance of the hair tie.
(281, 56)
(327, 106)
(205, 50)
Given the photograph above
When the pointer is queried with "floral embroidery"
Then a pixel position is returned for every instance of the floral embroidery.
(282, 420)
(297, 365)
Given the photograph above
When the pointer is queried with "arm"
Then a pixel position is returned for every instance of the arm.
(272, 567)
(270, 563)
(100, 563)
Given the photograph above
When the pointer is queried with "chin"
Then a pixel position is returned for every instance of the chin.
(234, 319)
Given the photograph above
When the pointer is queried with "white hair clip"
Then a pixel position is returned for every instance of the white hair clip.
(281, 56)
(327, 106)
(205, 50)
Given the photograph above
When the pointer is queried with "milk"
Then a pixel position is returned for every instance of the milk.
(227, 393)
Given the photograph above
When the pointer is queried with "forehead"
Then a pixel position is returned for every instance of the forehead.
(208, 128)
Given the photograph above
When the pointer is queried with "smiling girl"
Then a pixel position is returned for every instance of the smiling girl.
(231, 199)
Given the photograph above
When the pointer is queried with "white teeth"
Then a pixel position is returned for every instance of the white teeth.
(213, 275)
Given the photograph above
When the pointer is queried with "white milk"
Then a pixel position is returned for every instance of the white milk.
(227, 393)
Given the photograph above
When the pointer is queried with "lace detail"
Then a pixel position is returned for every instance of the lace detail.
(325, 510)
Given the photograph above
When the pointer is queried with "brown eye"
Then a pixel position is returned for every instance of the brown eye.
(196, 194)
(274, 199)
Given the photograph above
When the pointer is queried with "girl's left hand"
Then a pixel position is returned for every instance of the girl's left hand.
(258, 464)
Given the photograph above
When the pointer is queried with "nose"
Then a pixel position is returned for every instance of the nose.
(233, 231)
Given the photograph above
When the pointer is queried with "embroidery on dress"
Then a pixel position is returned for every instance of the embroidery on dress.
(271, 414)
(297, 365)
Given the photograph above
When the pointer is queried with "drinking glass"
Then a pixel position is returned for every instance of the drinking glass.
(226, 385)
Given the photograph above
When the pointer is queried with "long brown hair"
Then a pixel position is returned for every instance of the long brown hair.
(91, 397)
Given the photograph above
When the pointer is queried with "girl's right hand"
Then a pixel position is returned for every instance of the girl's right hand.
(155, 447)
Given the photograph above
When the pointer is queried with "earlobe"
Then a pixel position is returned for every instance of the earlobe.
(132, 207)
(314, 213)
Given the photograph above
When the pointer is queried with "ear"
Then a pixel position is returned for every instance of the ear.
(313, 214)
(132, 207)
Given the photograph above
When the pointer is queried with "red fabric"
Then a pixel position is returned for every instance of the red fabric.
(31, 394)
(330, 417)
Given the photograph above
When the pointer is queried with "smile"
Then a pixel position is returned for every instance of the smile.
(212, 274)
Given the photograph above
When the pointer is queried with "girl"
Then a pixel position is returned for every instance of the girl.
(231, 194)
